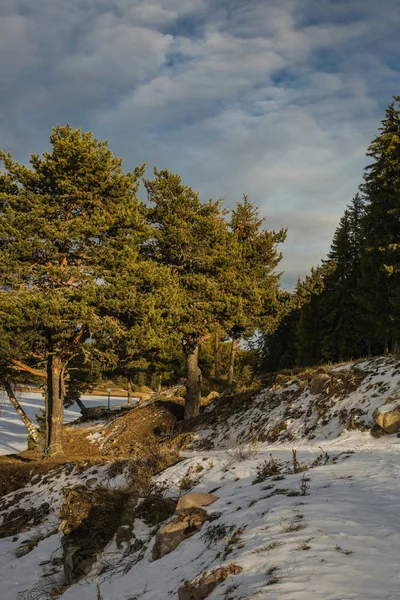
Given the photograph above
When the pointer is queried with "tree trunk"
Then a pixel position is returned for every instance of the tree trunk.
(159, 388)
(129, 393)
(30, 425)
(217, 358)
(81, 406)
(232, 361)
(386, 346)
(193, 383)
(55, 406)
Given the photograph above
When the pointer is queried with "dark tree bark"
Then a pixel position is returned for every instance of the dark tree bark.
(30, 425)
(129, 390)
(231, 370)
(386, 346)
(217, 358)
(81, 406)
(193, 382)
(55, 405)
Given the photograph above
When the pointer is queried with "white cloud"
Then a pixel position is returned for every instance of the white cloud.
(277, 99)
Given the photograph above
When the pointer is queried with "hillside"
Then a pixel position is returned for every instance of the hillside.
(321, 523)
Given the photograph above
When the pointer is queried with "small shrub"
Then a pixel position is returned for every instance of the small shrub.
(239, 451)
(303, 546)
(293, 525)
(304, 486)
(268, 468)
(273, 575)
(214, 533)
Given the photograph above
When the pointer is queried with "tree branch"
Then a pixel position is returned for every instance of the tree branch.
(20, 366)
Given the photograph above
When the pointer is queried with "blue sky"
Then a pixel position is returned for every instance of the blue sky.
(276, 98)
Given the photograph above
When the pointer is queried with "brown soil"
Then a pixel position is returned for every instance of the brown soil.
(128, 435)
(138, 433)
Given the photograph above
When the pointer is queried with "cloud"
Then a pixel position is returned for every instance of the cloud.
(277, 99)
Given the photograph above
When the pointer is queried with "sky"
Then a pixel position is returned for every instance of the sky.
(277, 99)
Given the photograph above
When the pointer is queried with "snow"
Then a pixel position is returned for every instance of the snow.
(338, 541)
(13, 434)
(350, 520)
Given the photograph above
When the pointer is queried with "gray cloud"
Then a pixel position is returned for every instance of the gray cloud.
(277, 99)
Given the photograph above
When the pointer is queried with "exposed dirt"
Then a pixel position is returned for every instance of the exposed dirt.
(128, 435)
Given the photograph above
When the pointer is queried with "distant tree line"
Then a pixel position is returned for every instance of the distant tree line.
(358, 312)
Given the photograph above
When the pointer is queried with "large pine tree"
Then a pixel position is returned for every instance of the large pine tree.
(343, 327)
(381, 262)
(192, 238)
(256, 302)
(68, 224)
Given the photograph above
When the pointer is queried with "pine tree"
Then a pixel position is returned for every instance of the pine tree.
(192, 239)
(343, 327)
(380, 264)
(255, 285)
(69, 224)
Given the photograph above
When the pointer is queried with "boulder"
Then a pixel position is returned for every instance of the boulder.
(388, 417)
(187, 523)
(195, 499)
(319, 383)
(202, 586)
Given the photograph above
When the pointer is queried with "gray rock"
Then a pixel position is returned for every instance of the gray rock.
(187, 523)
(202, 586)
(195, 499)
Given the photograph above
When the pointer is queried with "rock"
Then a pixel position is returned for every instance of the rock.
(91, 482)
(202, 586)
(319, 383)
(388, 417)
(188, 522)
(195, 499)
(376, 431)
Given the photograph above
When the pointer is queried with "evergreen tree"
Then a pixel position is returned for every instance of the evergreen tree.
(343, 327)
(380, 264)
(255, 285)
(192, 239)
(69, 224)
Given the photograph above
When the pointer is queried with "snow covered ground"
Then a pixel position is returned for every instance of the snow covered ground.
(340, 541)
(330, 532)
(13, 433)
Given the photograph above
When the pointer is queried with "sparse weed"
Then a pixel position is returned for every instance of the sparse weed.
(238, 450)
(304, 486)
(342, 550)
(293, 525)
(269, 547)
(297, 467)
(273, 575)
(268, 468)
(214, 533)
(303, 546)
(267, 487)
